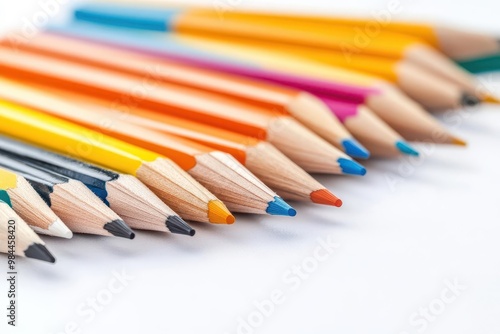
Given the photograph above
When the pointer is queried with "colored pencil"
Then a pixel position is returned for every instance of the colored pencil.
(249, 26)
(378, 96)
(297, 142)
(413, 124)
(456, 43)
(124, 194)
(30, 206)
(219, 172)
(303, 106)
(176, 188)
(265, 161)
(27, 243)
(75, 204)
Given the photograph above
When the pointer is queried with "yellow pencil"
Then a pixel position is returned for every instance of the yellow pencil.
(179, 190)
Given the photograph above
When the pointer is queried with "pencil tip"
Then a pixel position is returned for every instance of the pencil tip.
(278, 207)
(58, 229)
(177, 225)
(469, 100)
(405, 148)
(39, 252)
(491, 99)
(218, 213)
(458, 141)
(349, 166)
(353, 148)
(324, 196)
(118, 228)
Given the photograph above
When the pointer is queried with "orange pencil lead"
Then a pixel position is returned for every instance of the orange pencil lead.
(324, 196)
(219, 214)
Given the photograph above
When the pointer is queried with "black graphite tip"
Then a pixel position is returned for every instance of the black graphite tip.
(469, 100)
(118, 228)
(39, 252)
(177, 225)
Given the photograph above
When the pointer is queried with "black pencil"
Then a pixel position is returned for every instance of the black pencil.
(74, 203)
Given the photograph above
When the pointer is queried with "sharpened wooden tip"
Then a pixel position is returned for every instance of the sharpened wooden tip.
(219, 214)
(35, 211)
(324, 196)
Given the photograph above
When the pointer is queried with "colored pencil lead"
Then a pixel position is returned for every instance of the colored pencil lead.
(353, 148)
(218, 214)
(279, 207)
(351, 167)
(458, 141)
(406, 148)
(324, 196)
(58, 228)
(118, 228)
(39, 252)
(469, 100)
(176, 225)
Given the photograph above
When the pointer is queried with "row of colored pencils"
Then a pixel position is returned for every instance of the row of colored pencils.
(145, 117)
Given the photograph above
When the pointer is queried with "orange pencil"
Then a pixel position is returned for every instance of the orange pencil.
(304, 107)
(300, 144)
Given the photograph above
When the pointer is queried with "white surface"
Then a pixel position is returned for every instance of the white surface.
(397, 245)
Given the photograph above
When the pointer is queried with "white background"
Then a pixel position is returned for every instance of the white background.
(398, 243)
